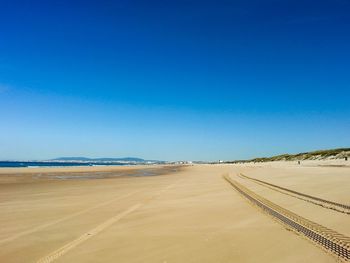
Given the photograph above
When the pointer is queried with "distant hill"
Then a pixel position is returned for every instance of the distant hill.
(85, 159)
(339, 153)
(71, 159)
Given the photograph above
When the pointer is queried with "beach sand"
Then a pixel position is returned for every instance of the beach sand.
(183, 214)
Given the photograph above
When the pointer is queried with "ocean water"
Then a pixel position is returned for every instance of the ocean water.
(53, 164)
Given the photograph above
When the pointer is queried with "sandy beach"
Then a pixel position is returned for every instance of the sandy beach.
(174, 131)
(166, 213)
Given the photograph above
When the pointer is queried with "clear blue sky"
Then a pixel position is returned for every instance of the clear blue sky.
(199, 80)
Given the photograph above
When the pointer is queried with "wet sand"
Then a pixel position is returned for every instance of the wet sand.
(184, 214)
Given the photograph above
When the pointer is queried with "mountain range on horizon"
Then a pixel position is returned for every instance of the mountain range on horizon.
(104, 159)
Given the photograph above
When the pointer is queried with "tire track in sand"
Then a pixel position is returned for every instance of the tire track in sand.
(43, 226)
(328, 239)
(67, 247)
(338, 207)
(63, 250)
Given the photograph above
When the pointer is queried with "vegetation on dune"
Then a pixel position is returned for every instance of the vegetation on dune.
(339, 153)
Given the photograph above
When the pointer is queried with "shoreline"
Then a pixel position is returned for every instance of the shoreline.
(72, 169)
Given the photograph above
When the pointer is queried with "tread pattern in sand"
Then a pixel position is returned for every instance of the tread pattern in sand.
(343, 208)
(330, 240)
